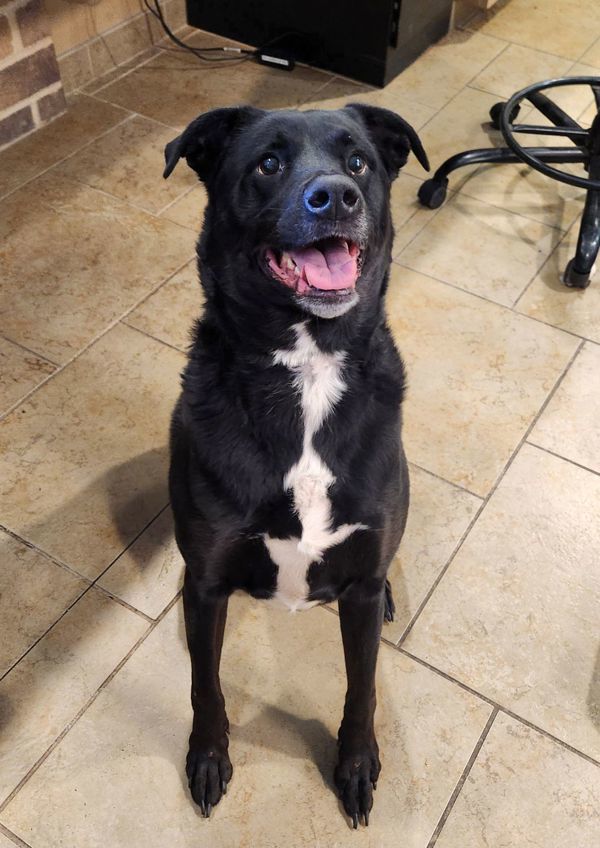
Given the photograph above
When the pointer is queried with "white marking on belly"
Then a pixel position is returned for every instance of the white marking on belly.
(317, 378)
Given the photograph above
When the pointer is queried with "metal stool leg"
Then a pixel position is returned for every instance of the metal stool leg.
(432, 193)
(579, 269)
(577, 273)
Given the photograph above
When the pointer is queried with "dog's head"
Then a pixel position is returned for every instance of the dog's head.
(298, 208)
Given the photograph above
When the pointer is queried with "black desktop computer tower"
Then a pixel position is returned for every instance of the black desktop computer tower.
(368, 41)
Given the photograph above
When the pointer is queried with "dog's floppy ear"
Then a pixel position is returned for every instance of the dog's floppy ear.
(392, 135)
(203, 142)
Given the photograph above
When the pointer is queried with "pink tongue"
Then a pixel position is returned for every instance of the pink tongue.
(334, 267)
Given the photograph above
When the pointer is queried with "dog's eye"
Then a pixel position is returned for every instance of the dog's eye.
(356, 164)
(269, 165)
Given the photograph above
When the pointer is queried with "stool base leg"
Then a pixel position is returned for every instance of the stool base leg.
(579, 269)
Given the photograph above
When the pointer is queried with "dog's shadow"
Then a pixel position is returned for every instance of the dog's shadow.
(278, 729)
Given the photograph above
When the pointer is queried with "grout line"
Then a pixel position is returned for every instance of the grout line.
(13, 837)
(456, 199)
(91, 584)
(464, 686)
(123, 603)
(126, 71)
(88, 703)
(171, 203)
(29, 350)
(428, 220)
(550, 736)
(45, 633)
(150, 120)
(564, 458)
(154, 338)
(550, 256)
(96, 338)
(314, 92)
(52, 557)
(462, 779)
(506, 710)
(488, 497)
(485, 299)
(132, 542)
(444, 480)
(491, 62)
(440, 575)
(477, 173)
(26, 182)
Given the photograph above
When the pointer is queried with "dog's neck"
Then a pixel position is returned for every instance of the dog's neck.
(252, 331)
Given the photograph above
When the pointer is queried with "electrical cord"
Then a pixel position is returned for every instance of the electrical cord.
(155, 9)
(242, 54)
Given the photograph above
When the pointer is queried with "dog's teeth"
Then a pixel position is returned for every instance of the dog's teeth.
(289, 262)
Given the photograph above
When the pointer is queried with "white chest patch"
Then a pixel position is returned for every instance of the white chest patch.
(317, 379)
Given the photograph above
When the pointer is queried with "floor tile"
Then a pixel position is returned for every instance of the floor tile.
(128, 162)
(439, 514)
(481, 248)
(127, 751)
(517, 67)
(45, 691)
(34, 593)
(405, 204)
(96, 85)
(446, 68)
(169, 313)
(558, 28)
(463, 124)
(75, 260)
(85, 119)
(570, 424)
(188, 211)
(83, 461)
(5, 842)
(549, 300)
(149, 574)
(519, 189)
(592, 56)
(20, 371)
(329, 97)
(175, 89)
(517, 614)
(524, 783)
(477, 376)
(410, 229)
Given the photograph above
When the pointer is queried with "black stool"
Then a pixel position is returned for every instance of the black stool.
(586, 151)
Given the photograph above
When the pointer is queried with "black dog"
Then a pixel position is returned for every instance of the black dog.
(288, 479)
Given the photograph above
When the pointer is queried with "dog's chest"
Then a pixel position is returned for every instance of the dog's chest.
(318, 380)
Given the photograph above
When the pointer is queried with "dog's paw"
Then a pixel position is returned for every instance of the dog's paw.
(355, 778)
(208, 770)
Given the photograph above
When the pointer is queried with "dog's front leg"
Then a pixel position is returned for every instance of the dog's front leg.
(208, 765)
(358, 767)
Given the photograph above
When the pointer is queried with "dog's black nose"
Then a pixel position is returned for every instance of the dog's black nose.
(333, 196)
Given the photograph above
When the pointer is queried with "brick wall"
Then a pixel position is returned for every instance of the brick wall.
(31, 92)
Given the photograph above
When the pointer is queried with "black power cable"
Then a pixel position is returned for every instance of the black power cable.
(242, 54)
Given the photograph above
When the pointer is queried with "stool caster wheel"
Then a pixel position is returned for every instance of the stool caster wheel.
(433, 193)
(574, 279)
(496, 112)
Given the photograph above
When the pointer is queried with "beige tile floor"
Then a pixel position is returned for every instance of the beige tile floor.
(489, 680)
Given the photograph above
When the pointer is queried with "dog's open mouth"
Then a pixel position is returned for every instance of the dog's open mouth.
(329, 266)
